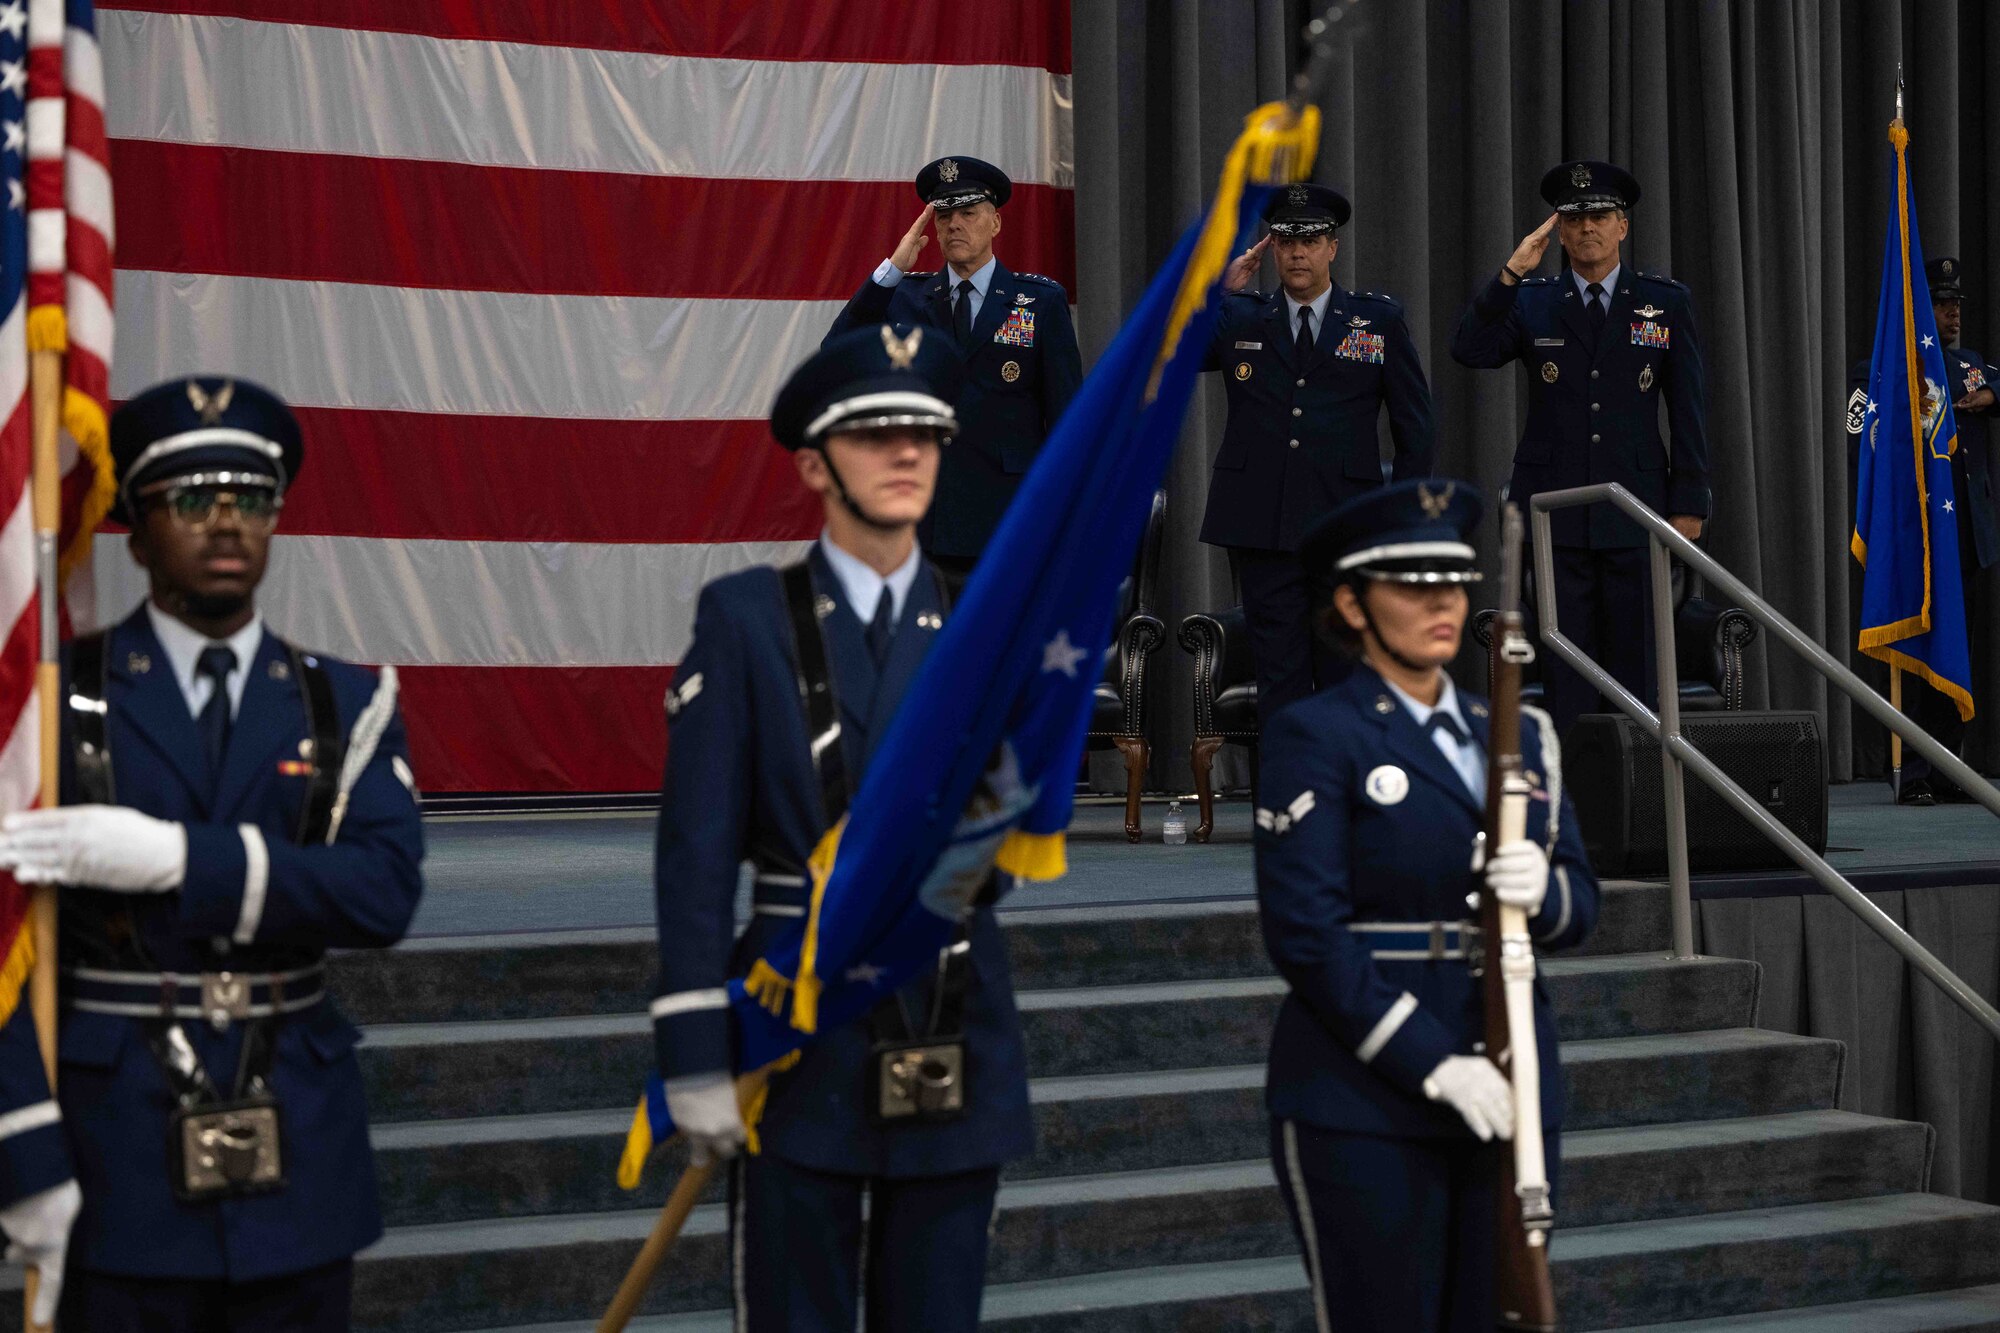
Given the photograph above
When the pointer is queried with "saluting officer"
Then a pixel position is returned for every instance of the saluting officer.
(1011, 331)
(1605, 347)
(1309, 370)
(1973, 403)
(1380, 1103)
(866, 418)
(38, 1194)
(235, 807)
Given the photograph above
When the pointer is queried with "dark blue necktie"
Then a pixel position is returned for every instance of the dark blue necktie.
(1445, 722)
(882, 628)
(1595, 302)
(961, 315)
(216, 662)
(1303, 344)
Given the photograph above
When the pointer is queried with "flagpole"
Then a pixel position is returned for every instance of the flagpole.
(1895, 738)
(673, 1217)
(46, 387)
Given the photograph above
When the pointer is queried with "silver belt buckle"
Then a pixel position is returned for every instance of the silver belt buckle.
(225, 997)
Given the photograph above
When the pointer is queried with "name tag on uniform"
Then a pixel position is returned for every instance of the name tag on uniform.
(1549, 342)
(1364, 347)
(1019, 330)
(1649, 334)
(1249, 347)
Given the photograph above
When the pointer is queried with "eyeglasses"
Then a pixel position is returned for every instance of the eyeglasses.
(197, 509)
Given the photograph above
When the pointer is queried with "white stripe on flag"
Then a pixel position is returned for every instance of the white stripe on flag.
(192, 79)
(87, 192)
(429, 602)
(83, 64)
(14, 369)
(335, 344)
(90, 320)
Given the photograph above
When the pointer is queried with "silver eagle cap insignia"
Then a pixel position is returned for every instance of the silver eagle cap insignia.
(902, 351)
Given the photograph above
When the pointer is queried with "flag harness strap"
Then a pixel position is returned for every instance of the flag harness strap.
(890, 1022)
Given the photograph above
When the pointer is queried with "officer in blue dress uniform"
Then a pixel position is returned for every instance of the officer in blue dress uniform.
(233, 808)
(1309, 370)
(1374, 793)
(1605, 348)
(38, 1194)
(1972, 390)
(1011, 331)
(866, 418)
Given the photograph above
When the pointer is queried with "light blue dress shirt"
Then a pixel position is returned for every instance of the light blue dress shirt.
(864, 587)
(1609, 282)
(1469, 760)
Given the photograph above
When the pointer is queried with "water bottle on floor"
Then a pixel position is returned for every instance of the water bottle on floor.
(1174, 831)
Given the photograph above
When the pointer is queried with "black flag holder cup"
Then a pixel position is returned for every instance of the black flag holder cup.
(1523, 1216)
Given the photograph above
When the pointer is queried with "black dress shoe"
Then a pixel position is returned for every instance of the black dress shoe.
(1917, 792)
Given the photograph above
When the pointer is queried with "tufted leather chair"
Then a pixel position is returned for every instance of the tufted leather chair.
(1118, 708)
(1709, 639)
(1225, 697)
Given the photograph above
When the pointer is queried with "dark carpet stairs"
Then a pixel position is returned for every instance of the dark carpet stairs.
(1708, 1181)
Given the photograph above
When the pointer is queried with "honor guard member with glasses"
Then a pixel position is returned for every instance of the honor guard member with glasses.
(857, 1168)
(1011, 330)
(1972, 390)
(234, 806)
(1309, 370)
(1367, 848)
(1606, 347)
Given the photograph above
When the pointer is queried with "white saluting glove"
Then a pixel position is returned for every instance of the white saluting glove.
(1518, 874)
(705, 1112)
(37, 1230)
(1477, 1091)
(96, 846)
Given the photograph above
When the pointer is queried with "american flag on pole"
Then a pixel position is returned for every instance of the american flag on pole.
(532, 275)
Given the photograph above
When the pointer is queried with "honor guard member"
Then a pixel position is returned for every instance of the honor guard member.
(1011, 331)
(1381, 1104)
(1309, 370)
(1605, 347)
(1973, 404)
(233, 807)
(38, 1194)
(853, 1190)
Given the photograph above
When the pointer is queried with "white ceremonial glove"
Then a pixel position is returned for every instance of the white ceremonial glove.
(705, 1112)
(37, 1230)
(1518, 874)
(97, 846)
(1477, 1091)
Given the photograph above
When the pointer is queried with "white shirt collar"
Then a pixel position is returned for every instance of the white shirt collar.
(1610, 281)
(1318, 303)
(981, 280)
(1447, 703)
(183, 645)
(864, 586)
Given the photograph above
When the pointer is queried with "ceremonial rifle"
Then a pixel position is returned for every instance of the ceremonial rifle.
(1522, 1215)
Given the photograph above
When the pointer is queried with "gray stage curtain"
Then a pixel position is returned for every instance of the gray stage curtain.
(1758, 131)
(1912, 1054)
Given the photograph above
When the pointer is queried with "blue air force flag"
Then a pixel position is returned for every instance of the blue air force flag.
(1905, 521)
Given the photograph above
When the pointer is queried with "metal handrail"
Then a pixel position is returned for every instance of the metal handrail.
(1676, 752)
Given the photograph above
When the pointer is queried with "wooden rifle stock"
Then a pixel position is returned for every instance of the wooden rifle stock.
(1522, 1216)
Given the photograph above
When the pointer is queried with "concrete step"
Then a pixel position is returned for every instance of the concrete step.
(1904, 1257)
(537, 1065)
(478, 978)
(1697, 1076)
(440, 1278)
(1636, 1273)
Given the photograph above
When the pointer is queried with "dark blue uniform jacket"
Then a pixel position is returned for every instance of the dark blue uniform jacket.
(1346, 841)
(1594, 416)
(1022, 371)
(33, 1154)
(1301, 438)
(253, 901)
(740, 786)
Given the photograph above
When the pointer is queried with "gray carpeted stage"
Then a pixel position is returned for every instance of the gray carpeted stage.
(504, 873)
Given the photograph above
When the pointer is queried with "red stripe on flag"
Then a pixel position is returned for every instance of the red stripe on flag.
(469, 478)
(85, 129)
(861, 30)
(16, 459)
(20, 655)
(446, 225)
(536, 729)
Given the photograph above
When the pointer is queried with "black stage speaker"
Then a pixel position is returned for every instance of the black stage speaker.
(1612, 770)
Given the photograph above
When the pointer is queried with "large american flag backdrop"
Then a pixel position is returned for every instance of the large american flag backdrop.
(532, 272)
